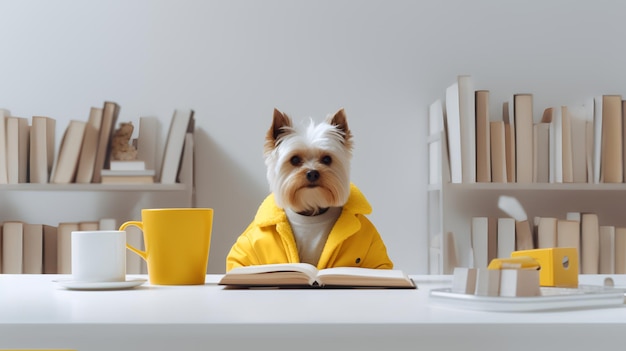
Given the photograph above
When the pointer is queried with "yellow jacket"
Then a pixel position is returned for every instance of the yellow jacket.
(352, 242)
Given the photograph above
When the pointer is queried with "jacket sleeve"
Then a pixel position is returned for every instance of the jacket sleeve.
(377, 254)
(241, 254)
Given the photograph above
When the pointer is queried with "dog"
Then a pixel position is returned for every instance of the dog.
(314, 213)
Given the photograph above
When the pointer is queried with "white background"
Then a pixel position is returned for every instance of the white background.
(234, 61)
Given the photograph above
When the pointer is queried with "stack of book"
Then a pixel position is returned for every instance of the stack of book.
(127, 172)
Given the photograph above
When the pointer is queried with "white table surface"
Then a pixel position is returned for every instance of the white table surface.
(36, 313)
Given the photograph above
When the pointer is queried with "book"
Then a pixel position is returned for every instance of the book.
(3, 147)
(185, 174)
(509, 140)
(607, 249)
(174, 145)
(42, 144)
(498, 152)
(49, 249)
(541, 153)
(548, 118)
(147, 141)
(64, 170)
(32, 249)
(480, 241)
(483, 149)
(523, 110)
(127, 177)
(88, 225)
(18, 133)
(590, 243)
(578, 132)
(506, 236)
(597, 138)
(110, 113)
(589, 107)
(105, 179)
(546, 232)
(307, 275)
(87, 160)
(566, 149)
(620, 250)
(453, 131)
(128, 173)
(12, 247)
(492, 238)
(129, 165)
(611, 168)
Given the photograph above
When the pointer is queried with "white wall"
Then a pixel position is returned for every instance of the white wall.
(234, 61)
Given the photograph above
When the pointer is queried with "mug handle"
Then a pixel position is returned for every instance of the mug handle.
(139, 225)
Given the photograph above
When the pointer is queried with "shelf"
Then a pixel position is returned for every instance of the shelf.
(538, 186)
(92, 187)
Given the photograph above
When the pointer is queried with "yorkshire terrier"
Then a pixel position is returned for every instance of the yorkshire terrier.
(314, 213)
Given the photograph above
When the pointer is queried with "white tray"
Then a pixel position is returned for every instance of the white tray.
(585, 296)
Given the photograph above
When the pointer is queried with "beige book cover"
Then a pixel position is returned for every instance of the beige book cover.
(620, 250)
(33, 249)
(3, 147)
(12, 247)
(498, 152)
(509, 140)
(64, 170)
(50, 250)
(483, 149)
(523, 109)
(87, 160)
(110, 113)
(607, 249)
(18, 134)
(546, 232)
(590, 243)
(611, 166)
(42, 144)
(541, 153)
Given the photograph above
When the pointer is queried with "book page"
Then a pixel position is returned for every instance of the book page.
(271, 275)
(355, 276)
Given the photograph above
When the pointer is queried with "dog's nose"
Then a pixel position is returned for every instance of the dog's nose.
(312, 175)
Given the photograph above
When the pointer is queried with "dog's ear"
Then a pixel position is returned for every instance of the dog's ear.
(340, 121)
(281, 124)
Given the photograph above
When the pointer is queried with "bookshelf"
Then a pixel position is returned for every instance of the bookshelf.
(54, 203)
(451, 206)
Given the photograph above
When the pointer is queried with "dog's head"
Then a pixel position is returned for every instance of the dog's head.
(309, 170)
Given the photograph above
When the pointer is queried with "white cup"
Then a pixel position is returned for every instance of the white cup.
(99, 256)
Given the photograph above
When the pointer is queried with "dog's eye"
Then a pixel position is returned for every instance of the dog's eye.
(295, 160)
(327, 160)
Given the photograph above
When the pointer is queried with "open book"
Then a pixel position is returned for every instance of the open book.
(304, 274)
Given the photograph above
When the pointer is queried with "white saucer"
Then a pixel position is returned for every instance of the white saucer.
(79, 285)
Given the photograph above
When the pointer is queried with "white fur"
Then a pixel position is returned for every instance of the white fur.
(311, 144)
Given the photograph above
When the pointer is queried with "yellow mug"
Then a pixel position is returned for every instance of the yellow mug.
(177, 242)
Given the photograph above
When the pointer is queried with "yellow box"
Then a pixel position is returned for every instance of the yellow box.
(558, 265)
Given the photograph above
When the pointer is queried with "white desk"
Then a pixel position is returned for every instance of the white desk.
(36, 313)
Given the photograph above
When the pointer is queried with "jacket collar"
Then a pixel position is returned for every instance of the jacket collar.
(270, 214)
